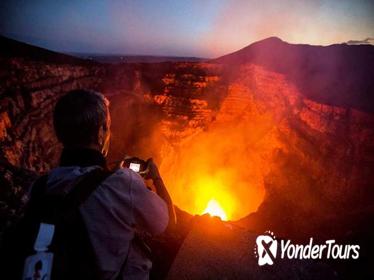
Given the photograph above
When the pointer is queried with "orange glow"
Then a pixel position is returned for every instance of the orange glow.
(215, 210)
(226, 162)
(218, 164)
(213, 199)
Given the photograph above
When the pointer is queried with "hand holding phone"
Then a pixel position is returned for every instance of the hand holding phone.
(148, 169)
(136, 164)
(152, 170)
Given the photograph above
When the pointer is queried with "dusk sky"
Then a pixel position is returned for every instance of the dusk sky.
(203, 28)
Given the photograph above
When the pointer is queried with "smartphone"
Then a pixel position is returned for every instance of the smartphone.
(136, 164)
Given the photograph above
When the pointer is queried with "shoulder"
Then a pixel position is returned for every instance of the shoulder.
(124, 175)
(124, 179)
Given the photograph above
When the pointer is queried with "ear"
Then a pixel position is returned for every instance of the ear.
(102, 135)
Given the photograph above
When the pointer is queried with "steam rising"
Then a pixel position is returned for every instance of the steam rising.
(224, 160)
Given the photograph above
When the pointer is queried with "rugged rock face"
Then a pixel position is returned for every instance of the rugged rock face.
(274, 132)
(29, 88)
(321, 164)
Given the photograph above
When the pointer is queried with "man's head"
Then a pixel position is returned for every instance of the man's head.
(81, 120)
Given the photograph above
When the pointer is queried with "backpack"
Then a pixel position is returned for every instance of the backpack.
(73, 255)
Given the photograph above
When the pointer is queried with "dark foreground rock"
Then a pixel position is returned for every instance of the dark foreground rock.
(217, 250)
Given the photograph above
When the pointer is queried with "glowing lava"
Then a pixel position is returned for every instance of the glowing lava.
(215, 210)
(224, 158)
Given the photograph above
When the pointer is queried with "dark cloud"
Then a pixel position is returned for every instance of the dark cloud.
(367, 41)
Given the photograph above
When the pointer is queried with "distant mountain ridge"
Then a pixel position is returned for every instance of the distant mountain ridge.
(15, 48)
(12, 48)
(339, 74)
(115, 59)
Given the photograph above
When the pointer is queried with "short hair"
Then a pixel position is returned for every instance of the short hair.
(78, 116)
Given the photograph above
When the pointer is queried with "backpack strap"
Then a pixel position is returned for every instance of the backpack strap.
(38, 188)
(74, 258)
(82, 190)
(66, 206)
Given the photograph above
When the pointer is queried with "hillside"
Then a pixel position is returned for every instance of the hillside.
(14, 49)
(338, 75)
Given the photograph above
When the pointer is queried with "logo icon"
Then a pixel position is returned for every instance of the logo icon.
(266, 248)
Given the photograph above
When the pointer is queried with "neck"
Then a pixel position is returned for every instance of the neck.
(82, 156)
